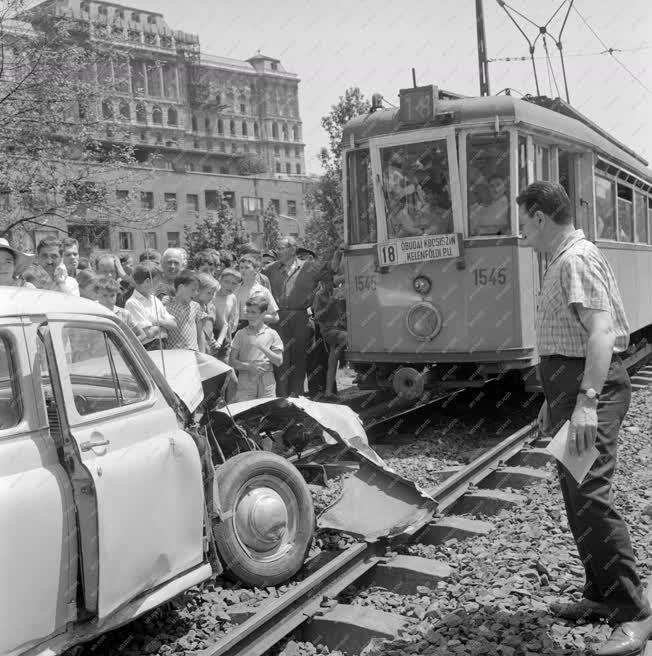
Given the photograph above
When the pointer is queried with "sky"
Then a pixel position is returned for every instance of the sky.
(373, 44)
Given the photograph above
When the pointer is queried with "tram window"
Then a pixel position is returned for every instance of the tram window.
(640, 213)
(649, 219)
(542, 163)
(605, 215)
(361, 206)
(625, 213)
(416, 187)
(522, 163)
(488, 184)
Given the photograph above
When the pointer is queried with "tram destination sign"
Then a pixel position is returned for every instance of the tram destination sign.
(410, 250)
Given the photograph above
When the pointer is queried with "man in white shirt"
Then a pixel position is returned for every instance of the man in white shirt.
(49, 254)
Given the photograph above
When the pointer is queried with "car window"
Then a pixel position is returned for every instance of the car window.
(102, 375)
(10, 399)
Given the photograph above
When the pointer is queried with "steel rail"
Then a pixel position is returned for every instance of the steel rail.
(281, 616)
(456, 486)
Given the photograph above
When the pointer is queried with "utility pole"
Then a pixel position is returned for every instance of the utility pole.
(483, 64)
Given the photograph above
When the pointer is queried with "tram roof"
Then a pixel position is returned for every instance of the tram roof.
(554, 116)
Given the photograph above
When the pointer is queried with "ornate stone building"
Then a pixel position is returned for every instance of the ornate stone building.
(198, 114)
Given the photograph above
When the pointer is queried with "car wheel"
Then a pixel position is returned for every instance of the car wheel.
(266, 519)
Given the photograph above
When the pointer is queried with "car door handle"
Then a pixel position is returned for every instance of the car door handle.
(87, 446)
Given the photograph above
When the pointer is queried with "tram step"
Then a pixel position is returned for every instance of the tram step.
(534, 457)
(403, 574)
(350, 628)
(514, 477)
(486, 502)
(451, 527)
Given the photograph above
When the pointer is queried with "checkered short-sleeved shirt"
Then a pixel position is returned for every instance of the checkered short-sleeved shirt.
(188, 315)
(577, 273)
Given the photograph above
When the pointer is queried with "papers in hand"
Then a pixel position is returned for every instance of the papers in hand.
(578, 466)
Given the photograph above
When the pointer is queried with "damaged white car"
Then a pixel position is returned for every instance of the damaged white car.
(124, 484)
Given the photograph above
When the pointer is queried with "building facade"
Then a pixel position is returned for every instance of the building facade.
(205, 123)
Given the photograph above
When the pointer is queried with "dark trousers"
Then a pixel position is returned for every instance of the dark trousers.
(599, 531)
(317, 366)
(294, 329)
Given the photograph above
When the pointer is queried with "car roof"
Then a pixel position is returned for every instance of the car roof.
(17, 301)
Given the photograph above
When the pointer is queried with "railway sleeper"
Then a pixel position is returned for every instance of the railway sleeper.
(486, 502)
(513, 477)
(403, 574)
(454, 528)
(532, 457)
(349, 628)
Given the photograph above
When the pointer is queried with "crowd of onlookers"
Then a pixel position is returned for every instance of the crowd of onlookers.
(277, 318)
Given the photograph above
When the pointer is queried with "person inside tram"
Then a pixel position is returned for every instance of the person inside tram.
(492, 217)
(435, 216)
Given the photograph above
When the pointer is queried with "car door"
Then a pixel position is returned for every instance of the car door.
(136, 475)
(38, 547)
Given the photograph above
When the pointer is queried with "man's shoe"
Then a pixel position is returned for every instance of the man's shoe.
(628, 639)
(585, 609)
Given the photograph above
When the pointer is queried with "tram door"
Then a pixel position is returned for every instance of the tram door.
(542, 171)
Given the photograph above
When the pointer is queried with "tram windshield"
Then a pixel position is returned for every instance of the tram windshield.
(416, 187)
(488, 184)
(361, 206)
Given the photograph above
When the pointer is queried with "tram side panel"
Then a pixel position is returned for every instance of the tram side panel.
(485, 302)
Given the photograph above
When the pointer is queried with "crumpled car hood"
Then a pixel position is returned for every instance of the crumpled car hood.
(375, 501)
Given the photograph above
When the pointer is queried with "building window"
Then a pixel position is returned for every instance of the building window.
(298, 169)
(292, 208)
(276, 204)
(121, 195)
(135, 17)
(191, 166)
(295, 133)
(141, 113)
(277, 151)
(173, 118)
(274, 66)
(220, 126)
(147, 200)
(157, 115)
(207, 125)
(244, 129)
(274, 131)
(256, 130)
(174, 240)
(151, 20)
(107, 110)
(251, 205)
(195, 143)
(285, 132)
(192, 203)
(149, 239)
(234, 148)
(243, 108)
(232, 128)
(287, 151)
(278, 167)
(229, 198)
(125, 111)
(126, 241)
(297, 152)
(258, 149)
(170, 200)
(222, 146)
(193, 123)
(207, 168)
(288, 168)
(224, 170)
(218, 98)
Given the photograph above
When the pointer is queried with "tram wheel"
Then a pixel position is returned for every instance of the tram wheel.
(267, 518)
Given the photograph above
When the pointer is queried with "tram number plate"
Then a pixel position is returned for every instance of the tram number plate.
(490, 276)
(411, 250)
(365, 283)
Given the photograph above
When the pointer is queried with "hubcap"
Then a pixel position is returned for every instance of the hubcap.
(262, 520)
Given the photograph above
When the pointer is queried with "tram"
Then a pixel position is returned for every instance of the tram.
(440, 292)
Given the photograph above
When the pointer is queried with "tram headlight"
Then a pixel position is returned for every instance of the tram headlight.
(422, 285)
(424, 321)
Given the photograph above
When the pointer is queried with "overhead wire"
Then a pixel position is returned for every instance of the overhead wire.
(610, 52)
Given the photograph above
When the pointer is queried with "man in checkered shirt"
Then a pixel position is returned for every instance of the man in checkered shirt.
(581, 329)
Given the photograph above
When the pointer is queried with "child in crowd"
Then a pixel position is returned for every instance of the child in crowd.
(226, 312)
(148, 312)
(188, 333)
(208, 261)
(207, 288)
(87, 281)
(329, 310)
(107, 294)
(249, 268)
(256, 349)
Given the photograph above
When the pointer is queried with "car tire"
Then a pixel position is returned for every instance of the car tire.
(267, 520)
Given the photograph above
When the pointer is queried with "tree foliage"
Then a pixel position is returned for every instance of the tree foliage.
(271, 228)
(251, 165)
(219, 229)
(59, 155)
(325, 229)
